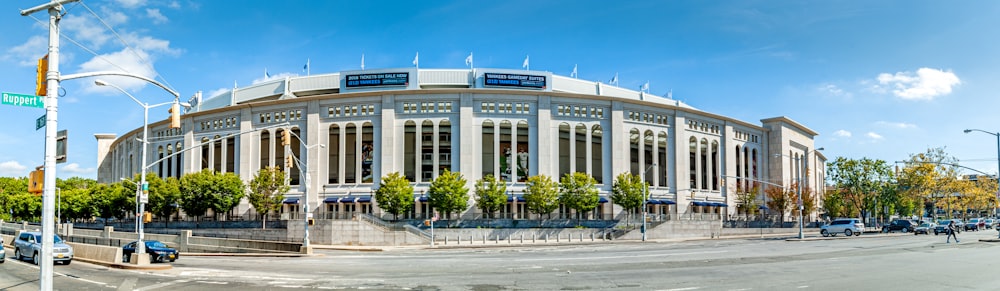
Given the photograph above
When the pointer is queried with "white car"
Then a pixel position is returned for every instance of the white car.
(847, 226)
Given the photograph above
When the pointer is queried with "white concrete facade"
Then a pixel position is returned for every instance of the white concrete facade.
(454, 119)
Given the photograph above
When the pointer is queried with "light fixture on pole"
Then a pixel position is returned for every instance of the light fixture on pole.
(645, 199)
(996, 134)
(143, 187)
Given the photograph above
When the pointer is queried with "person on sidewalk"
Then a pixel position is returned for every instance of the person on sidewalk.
(952, 229)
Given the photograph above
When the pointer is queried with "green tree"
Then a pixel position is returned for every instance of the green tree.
(394, 194)
(747, 201)
(112, 200)
(833, 203)
(164, 197)
(448, 193)
(627, 192)
(541, 195)
(77, 204)
(491, 195)
(267, 190)
(207, 189)
(860, 181)
(578, 191)
(780, 199)
(9, 189)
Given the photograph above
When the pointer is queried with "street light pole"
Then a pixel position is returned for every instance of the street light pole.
(645, 199)
(997, 135)
(143, 187)
(798, 162)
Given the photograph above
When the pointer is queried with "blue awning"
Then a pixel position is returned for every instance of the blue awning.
(719, 204)
(365, 199)
(700, 203)
(669, 202)
(762, 207)
(652, 201)
(290, 201)
(518, 198)
(331, 199)
(602, 200)
(422, 199)
(347, 199)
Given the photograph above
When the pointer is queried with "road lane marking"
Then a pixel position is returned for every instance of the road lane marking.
(619, 257)
(161, 285)
(681, 289)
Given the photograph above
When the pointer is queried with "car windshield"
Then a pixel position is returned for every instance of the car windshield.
(925, 225)
(56, 239)
(155, 244)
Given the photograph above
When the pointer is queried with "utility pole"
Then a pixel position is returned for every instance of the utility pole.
(51, 120)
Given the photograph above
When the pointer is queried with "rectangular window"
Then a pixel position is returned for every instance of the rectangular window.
(527, 108)
(518, 108)
(354, 110)
(447, 106)
(600, 113)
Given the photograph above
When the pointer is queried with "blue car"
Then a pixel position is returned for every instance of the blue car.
(158, 252)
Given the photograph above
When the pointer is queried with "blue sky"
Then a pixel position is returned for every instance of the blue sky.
(881, 79)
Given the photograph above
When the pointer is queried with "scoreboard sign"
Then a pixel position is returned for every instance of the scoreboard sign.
(514, 80)
(377, 80)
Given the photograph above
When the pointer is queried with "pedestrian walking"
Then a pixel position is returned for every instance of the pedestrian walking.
(952, 229)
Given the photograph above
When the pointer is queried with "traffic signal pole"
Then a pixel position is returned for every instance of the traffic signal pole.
(51, 120)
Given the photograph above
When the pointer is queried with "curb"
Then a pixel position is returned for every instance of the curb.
(152, 267)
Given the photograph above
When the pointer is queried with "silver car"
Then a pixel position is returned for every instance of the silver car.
(847, 226)
(28, 244)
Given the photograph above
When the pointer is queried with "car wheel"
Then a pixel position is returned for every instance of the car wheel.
(125, 258)
(848, 232)
(67, 262)
(153, 258)
(905, 230)
(17, 254)
(824, 233)
(172, 260)
(34, 259)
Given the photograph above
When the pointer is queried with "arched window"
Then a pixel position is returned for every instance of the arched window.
(486, 146)
(693, 162)
(580, 136)
(296, 152)
(715, 165)
(217, 154)
(444, 146)
(333, 152)
(523, 152)
(168, 170)
(427, 151)
(265, 149)
(739, 170)
(754, 168)
(704, 164)
(597, 153)
(506, 153)
(746, 169)
(367, 152)
(648, 142)
(231, 154)
(159, 155)
(661, 165)
(351, 153)
(205, 153)
(410, 151)
(564, 149)
(179, 160)
(633, 141)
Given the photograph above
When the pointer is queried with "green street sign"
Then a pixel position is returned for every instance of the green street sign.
(40, 122)
(23, 100)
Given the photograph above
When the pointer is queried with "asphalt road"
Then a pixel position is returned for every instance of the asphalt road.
(870, 262)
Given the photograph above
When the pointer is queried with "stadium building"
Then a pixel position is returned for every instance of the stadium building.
(352, 127)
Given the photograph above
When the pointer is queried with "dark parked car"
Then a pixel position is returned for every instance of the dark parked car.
(158, 252)
(900, 225)
(942, 226)
(975, 224)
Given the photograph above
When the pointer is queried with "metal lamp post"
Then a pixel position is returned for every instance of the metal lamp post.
(996, 134)
(798, 161)
(143, 186)
(645, 199)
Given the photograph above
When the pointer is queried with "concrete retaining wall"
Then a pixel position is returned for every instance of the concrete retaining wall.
(351, 232)
(106, 254)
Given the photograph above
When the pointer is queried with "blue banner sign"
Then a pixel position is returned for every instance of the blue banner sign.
(514, 80)
(377, 79)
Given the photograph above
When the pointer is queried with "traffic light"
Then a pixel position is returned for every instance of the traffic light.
(286, 138)
(41, 80)
(311, 222)
(36, 181)
(175, 115)
(147, 217)
(288, 162)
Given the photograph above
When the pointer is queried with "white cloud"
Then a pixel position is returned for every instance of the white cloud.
(88, 31)
(27, 54)
(874, 136)
(214, 93)
(12, 169)
(155, 14)
(834, 91)
(74, 168)
(926, 84)
(123, 60)
(174, 5)
(899, 125)
(842, 133)
(132, 3)
(273, 77)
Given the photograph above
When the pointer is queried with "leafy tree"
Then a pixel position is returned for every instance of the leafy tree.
(747, 201)
(541, 195)
(25, 206)
(833, 203)
(207, 189)
(930, 177)
(491, 195)
(164, 196)
(75, 183)
(78, 204)
(267, 190)
(394, 194)
(627, 192)
(112, 200)
(780, 199)
(578, 191)
(808, 201)
(860, 181)
(448, 193)
(9, 189)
